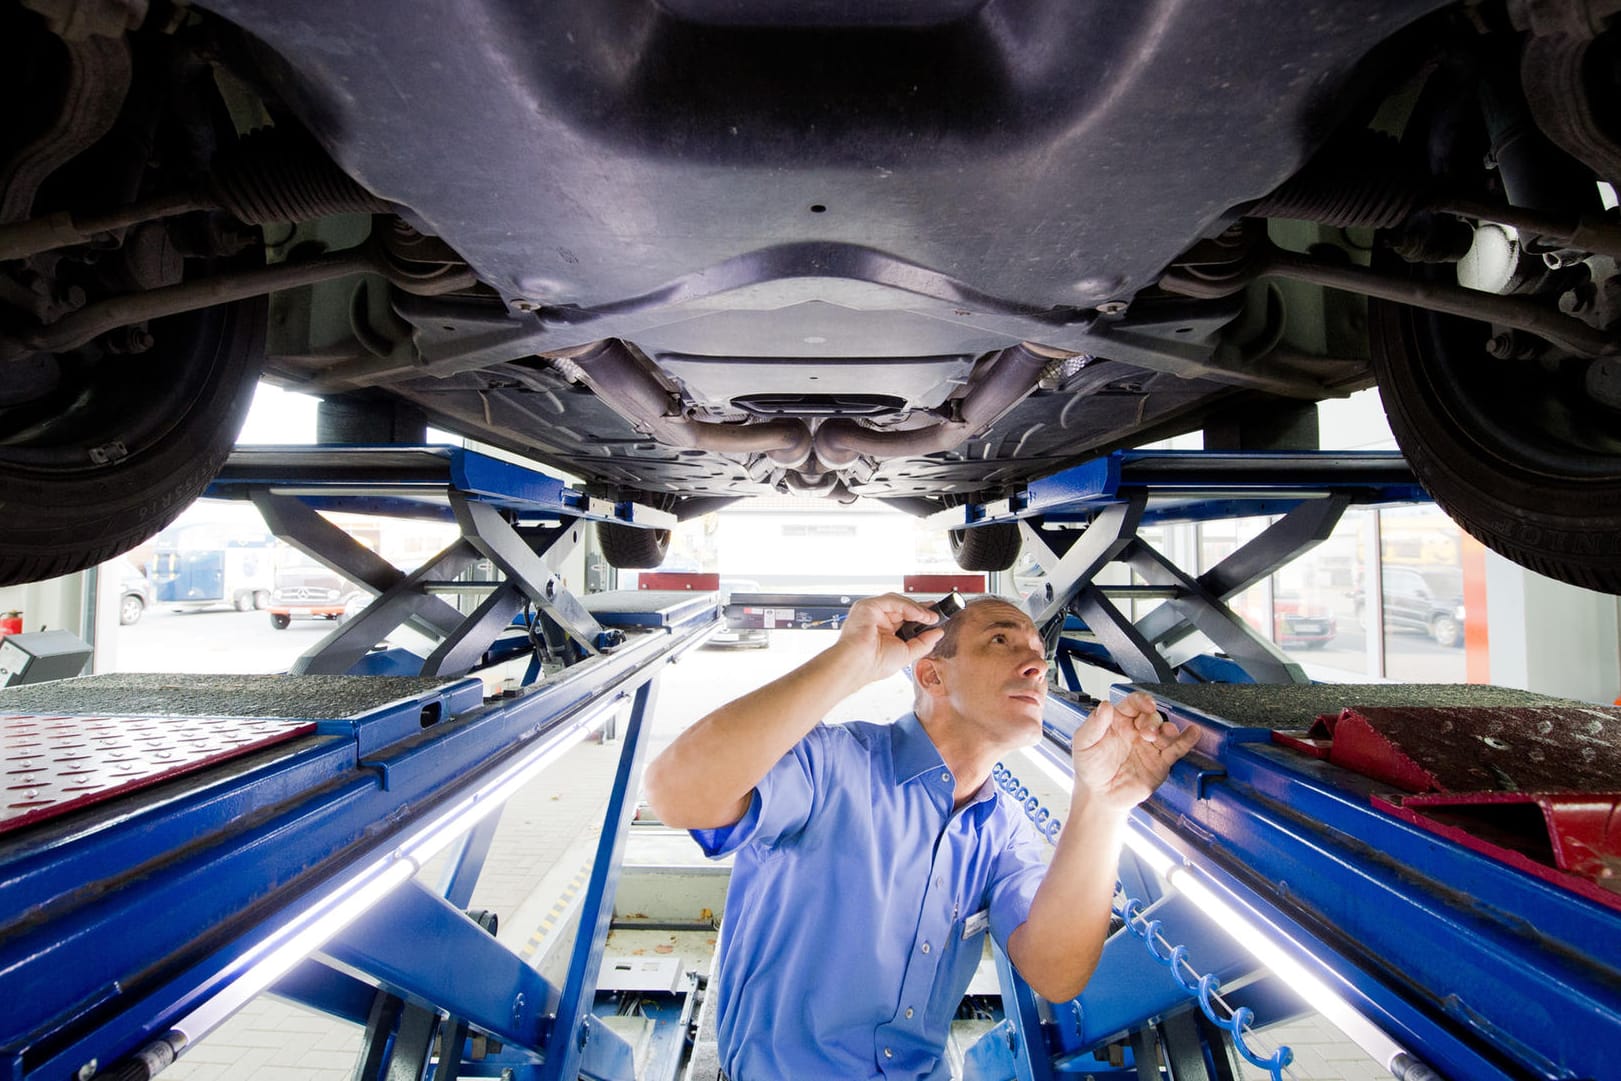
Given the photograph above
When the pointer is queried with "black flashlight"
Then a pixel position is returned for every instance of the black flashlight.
(945, 607)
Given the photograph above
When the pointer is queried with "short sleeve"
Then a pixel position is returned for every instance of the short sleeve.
(780, 806)
(1020, 866)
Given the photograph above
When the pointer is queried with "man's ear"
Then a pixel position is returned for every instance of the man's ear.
(929, 676)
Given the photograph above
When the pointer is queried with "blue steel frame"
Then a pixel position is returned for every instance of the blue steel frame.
(137, 928)
(1115, 496)
(1480, 971)
(127, 939)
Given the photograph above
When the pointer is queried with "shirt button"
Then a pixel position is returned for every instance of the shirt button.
(926, 947)
(945, 776)
(888, 1053)
(939, 882)
(908, 1013)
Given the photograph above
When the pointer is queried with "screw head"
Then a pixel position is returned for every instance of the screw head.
(1112, 308)
(526, 305)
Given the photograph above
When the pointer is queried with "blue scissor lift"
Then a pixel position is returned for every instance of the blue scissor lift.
(182, 844)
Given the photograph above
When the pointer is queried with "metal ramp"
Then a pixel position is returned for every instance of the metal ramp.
(172, 846)
(179, 845)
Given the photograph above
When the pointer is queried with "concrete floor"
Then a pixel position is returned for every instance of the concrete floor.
(546, 833)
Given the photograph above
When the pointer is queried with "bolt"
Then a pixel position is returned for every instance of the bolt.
(525, 305)
(1501, 346)
(1112, 308)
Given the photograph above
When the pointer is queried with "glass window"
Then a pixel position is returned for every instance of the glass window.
(1422, 553)
(1315, 600)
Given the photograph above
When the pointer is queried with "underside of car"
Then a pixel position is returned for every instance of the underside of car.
(691, 251)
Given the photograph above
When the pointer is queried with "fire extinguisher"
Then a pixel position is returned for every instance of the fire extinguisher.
(11, 623)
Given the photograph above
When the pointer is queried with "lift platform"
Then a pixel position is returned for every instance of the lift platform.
(180, 845)
(1316, 853)
(172, 846)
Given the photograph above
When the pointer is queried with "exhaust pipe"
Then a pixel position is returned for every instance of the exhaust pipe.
(619, 378)
(1012, 376)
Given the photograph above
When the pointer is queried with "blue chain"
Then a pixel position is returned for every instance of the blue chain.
(1202, 988)
(1045, 823)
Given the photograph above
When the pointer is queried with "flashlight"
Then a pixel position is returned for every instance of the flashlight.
(945, 607)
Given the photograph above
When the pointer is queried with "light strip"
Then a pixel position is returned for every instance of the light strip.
(1262, 945)
(330, 913)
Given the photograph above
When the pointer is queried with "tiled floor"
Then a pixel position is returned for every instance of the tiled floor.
(543, 831)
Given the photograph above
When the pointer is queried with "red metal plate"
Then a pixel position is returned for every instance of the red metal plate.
(56, 764)
(943, 583)
(676, 580)
(1538, 787)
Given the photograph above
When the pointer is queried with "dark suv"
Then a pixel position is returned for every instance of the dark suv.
(919, 252)
(1428, 600)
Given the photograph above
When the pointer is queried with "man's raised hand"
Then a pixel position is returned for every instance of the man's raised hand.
(1124, 750)
(867, 638)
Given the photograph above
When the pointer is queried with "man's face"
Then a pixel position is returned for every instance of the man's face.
(997, 679)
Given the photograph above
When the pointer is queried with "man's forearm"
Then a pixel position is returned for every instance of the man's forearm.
(1058, 946)
(703, 779)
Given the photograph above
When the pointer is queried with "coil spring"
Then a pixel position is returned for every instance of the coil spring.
(1359, 184)
(271, 177)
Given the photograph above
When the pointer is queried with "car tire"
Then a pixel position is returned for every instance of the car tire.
(987, 547)
(1515, 449)
(130, 608)
(1446, 631)
(261, 599)
(279, 621)
(244, 601)
(630, 548)
(95, 473)
(1469, 428)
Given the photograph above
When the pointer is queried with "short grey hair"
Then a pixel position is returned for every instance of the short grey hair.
(946, 647)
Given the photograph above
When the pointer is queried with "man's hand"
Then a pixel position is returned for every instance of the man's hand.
(705, 778)
(1123, 751)
(867, 642)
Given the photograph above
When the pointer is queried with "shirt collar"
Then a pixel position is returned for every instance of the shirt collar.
(913, 754)
(911, 749)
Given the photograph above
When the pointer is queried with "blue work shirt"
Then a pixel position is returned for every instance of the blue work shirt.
(858, 906)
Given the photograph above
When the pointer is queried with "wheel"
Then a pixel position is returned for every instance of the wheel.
(987, 547)
(104, 443)
(630, 548)
(244, 601)
(1446, 631)
(1518, 440)
(261, 599)
(279, 621)
(91, 470)
(130, 609)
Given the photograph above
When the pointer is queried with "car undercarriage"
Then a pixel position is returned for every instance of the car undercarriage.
(691, 251)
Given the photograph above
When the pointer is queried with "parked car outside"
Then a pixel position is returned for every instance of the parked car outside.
(1426, 600)
(135, 593)
(306, 590)
(1294, 624)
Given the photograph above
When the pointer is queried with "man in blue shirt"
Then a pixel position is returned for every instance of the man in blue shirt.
(871, 859)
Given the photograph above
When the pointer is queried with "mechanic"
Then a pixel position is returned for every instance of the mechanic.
(872, 858)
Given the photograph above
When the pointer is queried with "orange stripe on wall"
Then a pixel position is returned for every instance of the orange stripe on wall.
(1477, 652)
